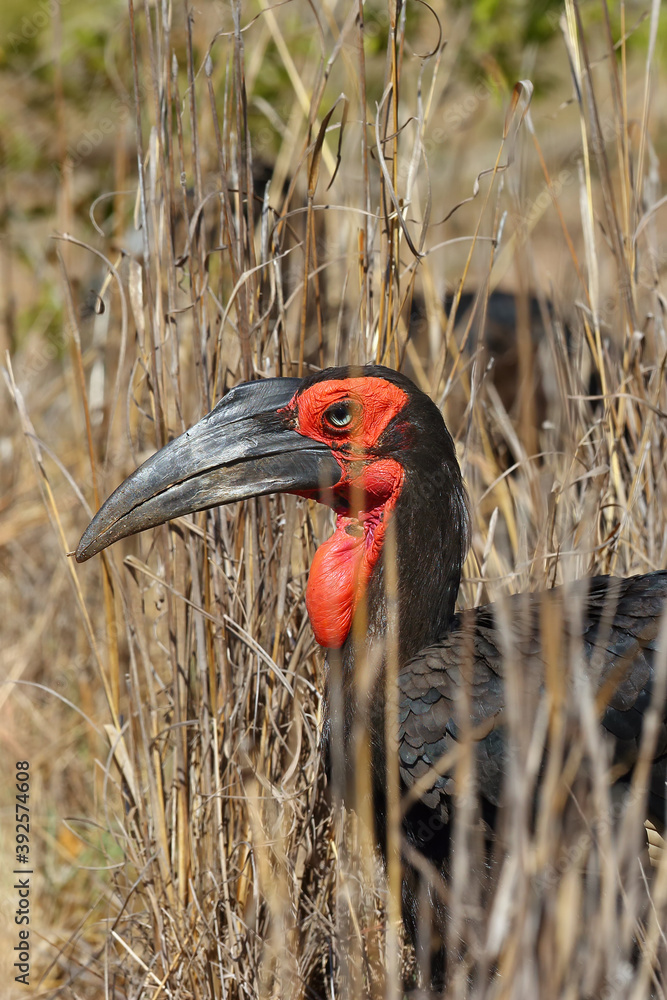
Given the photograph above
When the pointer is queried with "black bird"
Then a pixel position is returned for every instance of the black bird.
(375, 448)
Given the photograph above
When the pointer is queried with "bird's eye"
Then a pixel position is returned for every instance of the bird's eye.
(340, 415)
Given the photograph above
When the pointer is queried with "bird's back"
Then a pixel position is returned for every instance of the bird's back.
(504, 669)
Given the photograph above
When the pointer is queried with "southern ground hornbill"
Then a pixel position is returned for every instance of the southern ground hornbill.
(376, 449)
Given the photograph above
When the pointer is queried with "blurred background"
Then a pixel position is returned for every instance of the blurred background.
(189, 198)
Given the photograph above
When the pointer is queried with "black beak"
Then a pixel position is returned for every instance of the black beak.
(243, 448)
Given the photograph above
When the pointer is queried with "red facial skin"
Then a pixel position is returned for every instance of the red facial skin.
(367, 493)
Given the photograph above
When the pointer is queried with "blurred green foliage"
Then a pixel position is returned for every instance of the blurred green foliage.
(86, 47)
(508, 38)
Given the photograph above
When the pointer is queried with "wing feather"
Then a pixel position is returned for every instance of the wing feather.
(466, 672)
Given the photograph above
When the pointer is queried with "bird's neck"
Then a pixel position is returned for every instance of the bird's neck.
(430, 528)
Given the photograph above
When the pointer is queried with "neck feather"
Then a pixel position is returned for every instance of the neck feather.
(431, 522)
(431, 529)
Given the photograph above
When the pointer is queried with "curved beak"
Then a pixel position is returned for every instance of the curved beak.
(245, 447)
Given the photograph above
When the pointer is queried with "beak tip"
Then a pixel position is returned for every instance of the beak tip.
(93, 540)
(85, 549)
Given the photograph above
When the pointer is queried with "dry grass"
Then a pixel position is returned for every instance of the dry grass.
(168, 695)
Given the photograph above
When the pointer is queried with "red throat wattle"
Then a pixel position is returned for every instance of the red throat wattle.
(363, 499)
(343, 564)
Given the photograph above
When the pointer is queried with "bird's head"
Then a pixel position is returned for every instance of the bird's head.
(366, 442)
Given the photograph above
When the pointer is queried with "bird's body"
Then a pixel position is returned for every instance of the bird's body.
(375, 449)
(611, 624)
